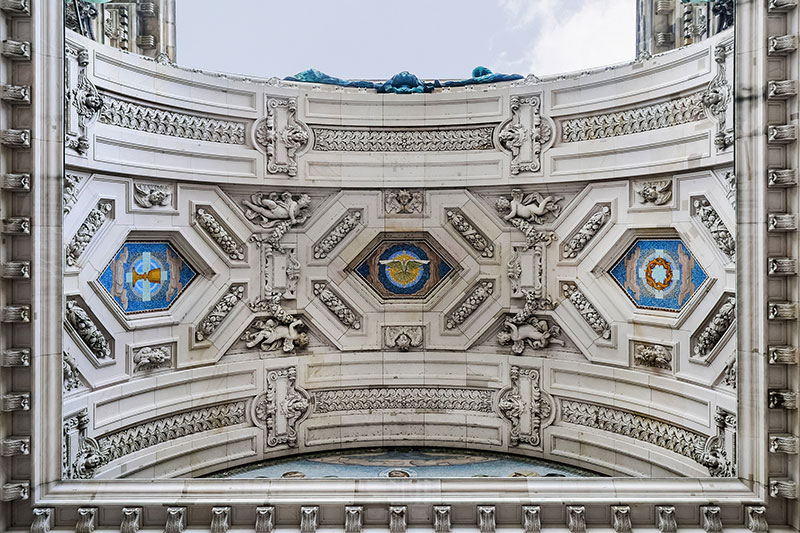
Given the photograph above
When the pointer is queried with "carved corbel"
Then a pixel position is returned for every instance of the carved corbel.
(710, 519)
(16, 50)
(783, 488)
(41, 520)
(782, 399)
(17, 182)
(265, 519)
(779, 45)
(781, 222)
(531, 519)
(781, 177)
(15, 490)
(397, 519)
(17, 226)
(86, 520)
(781, 310)
(621, 518)
(665, 519)
(16, 401)
(131, 520)
(784, 443)
(782, 355)
(756, 518)
(441, 519)
(576, 518)
(16, 8)
(781, 266)
(486, 519)
(176, 520)
(220, 519)
(354, 518)
(16, 357)
(11, 446)
(309, 517)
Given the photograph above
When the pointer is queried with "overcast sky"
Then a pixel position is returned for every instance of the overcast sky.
(374, 39)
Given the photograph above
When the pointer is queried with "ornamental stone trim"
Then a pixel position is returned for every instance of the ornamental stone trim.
(390, 398)
(678, 111)
(343, 312)
(576, 242)
(219, 312)
(711, 220)
(464, 310)
(715, 328)
(130, 115)
(165, 429)
(91, 225)
(479, 242)
(587, 310)
(219, 234)
(336, 234)
(440, 139)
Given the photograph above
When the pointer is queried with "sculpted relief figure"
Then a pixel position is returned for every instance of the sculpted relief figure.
(655, 192)
(532, 207)
(148, 195)
(536, 333)
(271, 209)
(270, 335)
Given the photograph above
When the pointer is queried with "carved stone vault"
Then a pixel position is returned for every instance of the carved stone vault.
(254, 269)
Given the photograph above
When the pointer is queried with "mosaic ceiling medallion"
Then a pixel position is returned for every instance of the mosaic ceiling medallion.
(146, 276)
(659, 274)
(402, 266)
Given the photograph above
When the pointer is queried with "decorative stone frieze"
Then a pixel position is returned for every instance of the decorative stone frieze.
(576, 518)
(576, 242)
(710, 516)
(784, 443)
(151, 358)
(524, 135)
(470, 304)
(404, 201)
(12, 357)
(91, 225)
(588, 312)
(17, 490)
(782, 355)
(652, 355)
(17, 182)
(782, 399)
(334, 303)
(11, 446)
(265, 519)
(781, 177)
(681, 110)
(397, 519)
(130, 115)
(713, 223)
(715, 328)
(657, 192)
(86, 329)
(441, 519)
(779, 45)
(18, 314)
(281, 407)
(389, 398)
(439, 139)
(309, 518)
(219, 234)
(17, 226)
(535, 407)
(354, 518)
(16, 50)
(756, 518)
(531, 519)
(16, 401)
(165, 429)
(403, 338)
(337, 233)
(781, 222)
(783, 488)
(219, 312)
(147, 195)
(781, 310)
(220, 519)
(467, 230)
(281, 129)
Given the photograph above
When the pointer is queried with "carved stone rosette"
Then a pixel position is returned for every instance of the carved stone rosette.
(281, 407)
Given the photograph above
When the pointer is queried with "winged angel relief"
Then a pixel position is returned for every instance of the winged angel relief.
(532, 207)
(269, 210)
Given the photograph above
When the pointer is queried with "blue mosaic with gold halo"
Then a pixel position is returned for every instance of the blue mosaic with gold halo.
(659, 274)
(403, 269)
(146, 276)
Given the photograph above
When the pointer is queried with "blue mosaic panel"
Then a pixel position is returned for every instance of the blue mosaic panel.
(403, 269)
(659, 274)
(146, 276)
(405, 462)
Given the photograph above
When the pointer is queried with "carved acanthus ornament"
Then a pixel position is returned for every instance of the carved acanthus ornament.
(440, 139)
(404, 201)
(87, 330)
(151, 358)
(336, 234)
(281, 407)
(526, 413)
(94, 220)
(647, 118)
(467, 230)
(403, 338)
(282, 136)
(711, 334)
(277, 330)
(524, 135)
(389, 398)
(652, 355)
(149, 119)
(343, 312)
(578, 241)
(149, 195)
(476, 297)
(588, 312)
(219, 234)
(712, 221)
(219, 312)
(524, 212)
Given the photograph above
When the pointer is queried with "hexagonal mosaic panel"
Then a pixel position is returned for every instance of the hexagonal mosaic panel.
(401, 268)
(146, 276)
(659, 274)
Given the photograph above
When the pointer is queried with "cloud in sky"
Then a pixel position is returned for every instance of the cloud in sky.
(432, 38)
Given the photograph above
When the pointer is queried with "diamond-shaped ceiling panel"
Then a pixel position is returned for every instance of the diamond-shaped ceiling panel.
(146, 276)
(659, 274)
(404, 266)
